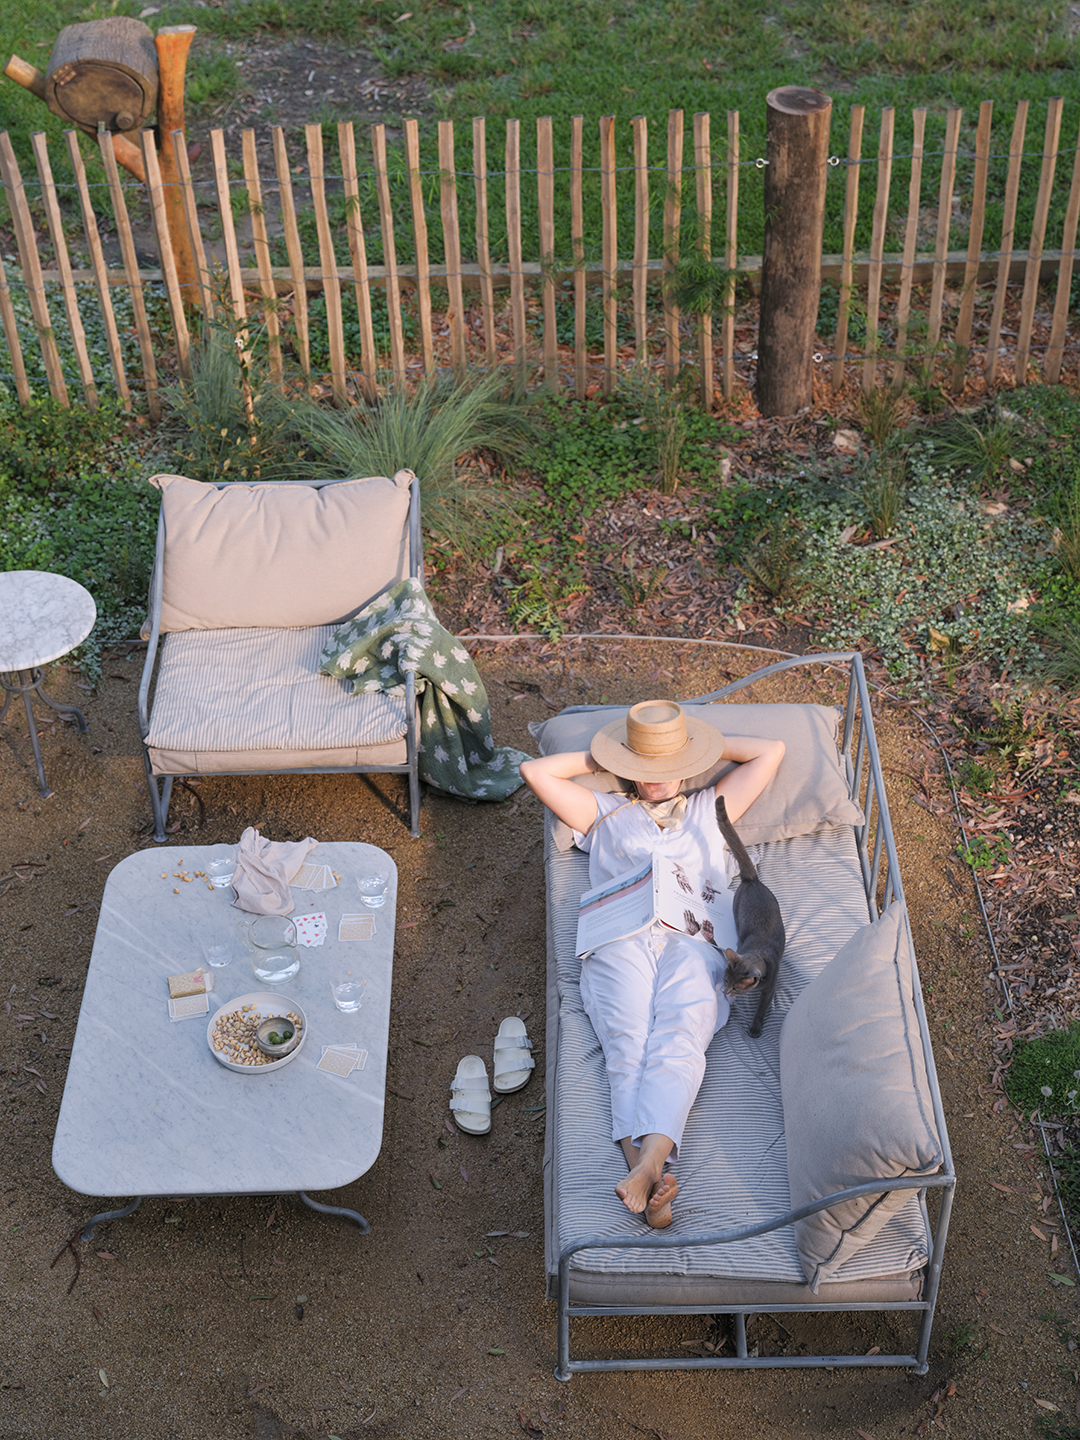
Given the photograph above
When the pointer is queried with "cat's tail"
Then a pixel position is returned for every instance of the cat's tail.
(747, 869)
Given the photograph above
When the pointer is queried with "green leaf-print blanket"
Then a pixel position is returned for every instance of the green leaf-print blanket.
(398, 633)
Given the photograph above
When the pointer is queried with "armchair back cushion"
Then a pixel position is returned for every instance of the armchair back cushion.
(279, 556)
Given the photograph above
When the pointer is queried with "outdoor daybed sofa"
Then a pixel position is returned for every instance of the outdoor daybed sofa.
(249, 582)
(805, 1169)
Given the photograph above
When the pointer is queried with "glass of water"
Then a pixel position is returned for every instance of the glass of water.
(373, 888)
(217, 954)
(347, 990)
(221, 869)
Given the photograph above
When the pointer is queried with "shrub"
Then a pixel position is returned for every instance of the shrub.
(44, 446)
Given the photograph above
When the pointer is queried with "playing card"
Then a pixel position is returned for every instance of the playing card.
(337, 1062)
(188, 1006)
(324, 880)
(305, 875)
(356, 927)
(310, 929)
(350, 1052)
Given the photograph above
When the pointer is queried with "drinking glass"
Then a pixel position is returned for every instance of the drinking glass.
(373, 888)
(347, 990)
(221, 869)
(217, 954)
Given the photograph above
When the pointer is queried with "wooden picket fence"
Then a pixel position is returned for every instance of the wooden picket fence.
(484, 330)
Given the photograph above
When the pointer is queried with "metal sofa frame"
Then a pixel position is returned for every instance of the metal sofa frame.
(160, 797)
(881, 878)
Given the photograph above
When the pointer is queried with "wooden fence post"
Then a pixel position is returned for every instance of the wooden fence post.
(731, 251)
(703, 166)
(483, 247)
(962, 339)
(577, 242)
(796, 148)
(63, 264)
(672, 219)
(877, 246)
(851, 215)
(609, 250)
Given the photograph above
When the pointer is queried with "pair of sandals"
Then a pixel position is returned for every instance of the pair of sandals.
(470, 1098)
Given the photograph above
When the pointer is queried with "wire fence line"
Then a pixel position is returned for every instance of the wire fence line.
(360, 271)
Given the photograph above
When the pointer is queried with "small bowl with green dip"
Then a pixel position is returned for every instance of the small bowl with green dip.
(277, 1036)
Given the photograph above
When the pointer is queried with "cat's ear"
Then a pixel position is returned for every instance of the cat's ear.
(733, 956)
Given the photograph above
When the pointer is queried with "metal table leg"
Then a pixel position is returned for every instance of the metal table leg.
(88, 1229)
(365, 1228)
(25, 689)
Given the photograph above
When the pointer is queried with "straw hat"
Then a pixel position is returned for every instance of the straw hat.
(657, 741)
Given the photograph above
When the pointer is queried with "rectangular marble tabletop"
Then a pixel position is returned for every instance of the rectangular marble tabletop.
(148, 1110)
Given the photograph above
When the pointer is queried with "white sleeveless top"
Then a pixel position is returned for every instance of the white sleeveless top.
(629, 836)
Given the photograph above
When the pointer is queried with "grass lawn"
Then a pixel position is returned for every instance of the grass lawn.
(560, 58)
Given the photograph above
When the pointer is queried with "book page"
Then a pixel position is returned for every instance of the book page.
(698, 905)
(620, 907)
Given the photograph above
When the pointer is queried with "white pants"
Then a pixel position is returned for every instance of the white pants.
(655, 1005)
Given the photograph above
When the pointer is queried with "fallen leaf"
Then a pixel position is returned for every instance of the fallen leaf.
(260, 1297)
(1046, 1405)
(1062, 1279)
(997, 1329)
(458, 1394)
(98, 1315)
(865, 1433)
(496, 1351)
(464, 1173)
(1037, 1232)
(265, 1385)
(105, 1255)
(104, 1378)
(529, 1428)
(496, 1234)
(85, 823)
(434, 1182)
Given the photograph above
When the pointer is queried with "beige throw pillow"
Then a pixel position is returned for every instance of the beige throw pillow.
(279, 556)
(856, 1096)
(808, 793)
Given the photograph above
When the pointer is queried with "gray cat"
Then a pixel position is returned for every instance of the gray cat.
(758, 925)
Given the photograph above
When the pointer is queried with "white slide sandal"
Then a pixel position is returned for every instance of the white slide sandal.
(513, 1056)
(470, 1098)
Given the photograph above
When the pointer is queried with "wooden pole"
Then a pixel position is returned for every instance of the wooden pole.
(191, 212)
(577, 242)
(63, 264)
(451, 245)
(483, 248)
(293, 249)
(944, 221)
(228, 227)
(11, 335)
(261, 240)
(1055, 350)
(703, 170)
(851, 215)
(610, 249)
(797, 150)
(975, 236)
(358, 251)
(1008, 234)
(420, 235)
(393, 285)
(165, 254)
(545, 185)
(903, 307)
(97, 263)
(513, 241)
(131, 274)
(30, 261)
(877, 245)
(641, 238)
(327, 263)
(731, 251)
(672, 218)
(172, 43)
(1038, 235)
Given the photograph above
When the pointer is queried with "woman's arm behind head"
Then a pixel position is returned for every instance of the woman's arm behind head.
(758, 761)
(550, 778)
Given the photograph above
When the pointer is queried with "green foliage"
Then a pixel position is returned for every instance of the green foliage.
(976, 779)
(535, 601)
(210, 76)
(962, 1339)
(772, 563)
(47, 446)
(425, 431)
(380, 325)
(881, 488)
(700, 286)
(882, 413)
(1062, 663)
(636, 586)
(828, 316)
(983, 854)
(982, 451)
(1045, 1073)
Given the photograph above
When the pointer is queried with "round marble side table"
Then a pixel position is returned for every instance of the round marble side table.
(42, 616)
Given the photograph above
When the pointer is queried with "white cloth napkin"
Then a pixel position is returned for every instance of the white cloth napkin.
(263, 871)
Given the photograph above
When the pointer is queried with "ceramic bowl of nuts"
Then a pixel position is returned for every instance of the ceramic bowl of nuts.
(240, 1034)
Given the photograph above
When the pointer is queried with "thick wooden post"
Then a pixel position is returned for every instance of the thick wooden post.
(796, 148)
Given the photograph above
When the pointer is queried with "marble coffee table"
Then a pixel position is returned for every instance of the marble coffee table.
(42, 616)
(148, 1111)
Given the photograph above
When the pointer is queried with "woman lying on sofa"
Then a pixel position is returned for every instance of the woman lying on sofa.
(655, 999)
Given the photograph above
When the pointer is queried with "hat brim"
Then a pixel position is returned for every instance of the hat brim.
(704, 747)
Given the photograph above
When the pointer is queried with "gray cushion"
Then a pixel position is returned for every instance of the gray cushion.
(856, 1097)
(808, 794)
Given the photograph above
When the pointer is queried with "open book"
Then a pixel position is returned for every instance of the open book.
(658, 890)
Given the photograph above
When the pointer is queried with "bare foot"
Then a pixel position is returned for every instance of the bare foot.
(635, 1190)
(658, 1210)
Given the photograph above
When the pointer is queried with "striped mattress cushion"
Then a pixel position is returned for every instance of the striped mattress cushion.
(732, 1167)
(237, 690)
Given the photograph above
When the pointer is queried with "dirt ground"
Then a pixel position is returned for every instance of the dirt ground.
(258, 1318)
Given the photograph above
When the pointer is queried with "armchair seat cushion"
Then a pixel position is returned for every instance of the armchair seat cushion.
(254, 700)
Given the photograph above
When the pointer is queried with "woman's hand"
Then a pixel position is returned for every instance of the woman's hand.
(551, 779)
